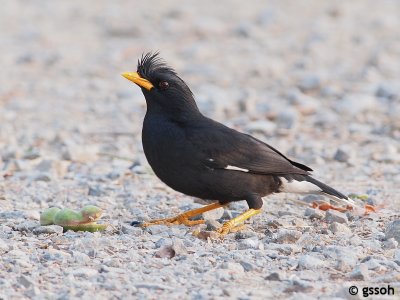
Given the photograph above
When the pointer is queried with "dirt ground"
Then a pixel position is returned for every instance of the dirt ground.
(318, 80)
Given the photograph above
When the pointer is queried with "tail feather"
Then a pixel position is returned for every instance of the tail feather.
(304, 184)
(325, 188)
(330, 192)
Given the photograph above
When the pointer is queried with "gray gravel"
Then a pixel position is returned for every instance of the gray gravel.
(318, 80)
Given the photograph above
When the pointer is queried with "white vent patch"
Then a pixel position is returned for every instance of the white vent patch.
(299, 187)
(228, 167)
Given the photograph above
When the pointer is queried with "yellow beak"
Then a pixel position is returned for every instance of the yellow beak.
(135, 77)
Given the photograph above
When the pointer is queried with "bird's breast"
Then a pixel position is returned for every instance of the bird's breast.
(166, 149)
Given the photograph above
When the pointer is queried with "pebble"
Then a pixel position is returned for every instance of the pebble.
(214, 214)
(3, 246)
(390, 244)
(287, 119)
(261, 126)
(360, 272)
(313, 213)
(344, 258)
(179, 247)
(341, 156)
(309, 82)
(233, 267)
(386, 91)
(396, 256)
(212, 225)
(82, 272)
(157, 229)
(250, 243)
(248, 266)
(96, 191)
(339, 228)
(274, 276)
(393, 230)
(311, 262)
(335, 216)
(31, 154)
(50, 229)
(27, 226)
(287, 236)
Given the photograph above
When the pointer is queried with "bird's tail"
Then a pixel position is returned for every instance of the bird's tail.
(305, 184)
(330, 192)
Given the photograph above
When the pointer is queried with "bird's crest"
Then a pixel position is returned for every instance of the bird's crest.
(150, 63)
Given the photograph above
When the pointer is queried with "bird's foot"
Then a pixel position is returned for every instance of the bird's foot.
(236, 224)
(183, 218)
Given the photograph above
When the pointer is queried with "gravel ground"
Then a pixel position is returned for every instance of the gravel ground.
(319, 80)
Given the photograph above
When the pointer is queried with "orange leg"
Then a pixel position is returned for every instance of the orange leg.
(184, 217)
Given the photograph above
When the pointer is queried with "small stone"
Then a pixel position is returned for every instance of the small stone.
(345, 258)
(214, 214)
(393, 230)
(163, 242)
(205, 235)
(311, 198)
(356, 104)
(3, 247)
(83, 272)
(286, 249)
(273, 277)
(178, 247)
(311, 262)
(287, 119)
(233, 266)
(335, 216)
(157, 229)
(165, 252)
(309, 82)
(390, 244)
(360, 273)
(95, 191)
(80, 258)
(339, 228)
(250, 243)
(373, 264)
(34, 291)
(8, 155)
(313, 213)
(299, 286)
(44, 166)
(386, 91)
(247, 266)
(261, 126)
(131, 230)
(40, 177)
(245, 234)
(25, 281)
(287, 236)
(212, 225)
(51, 229)
(396, 256)
(31, 154)
(26, 226)
(341, 156)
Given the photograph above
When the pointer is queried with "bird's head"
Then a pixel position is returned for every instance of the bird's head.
(163, 89)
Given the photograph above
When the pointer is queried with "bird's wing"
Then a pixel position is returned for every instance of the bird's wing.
(224, 148)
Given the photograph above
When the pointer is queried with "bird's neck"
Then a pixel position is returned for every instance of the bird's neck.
(181, 113)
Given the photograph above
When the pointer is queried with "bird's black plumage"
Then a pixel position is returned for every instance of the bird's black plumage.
(203, 158)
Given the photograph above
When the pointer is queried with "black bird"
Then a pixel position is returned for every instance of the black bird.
(200, 157)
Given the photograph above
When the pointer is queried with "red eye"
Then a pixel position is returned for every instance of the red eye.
(163, 85)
